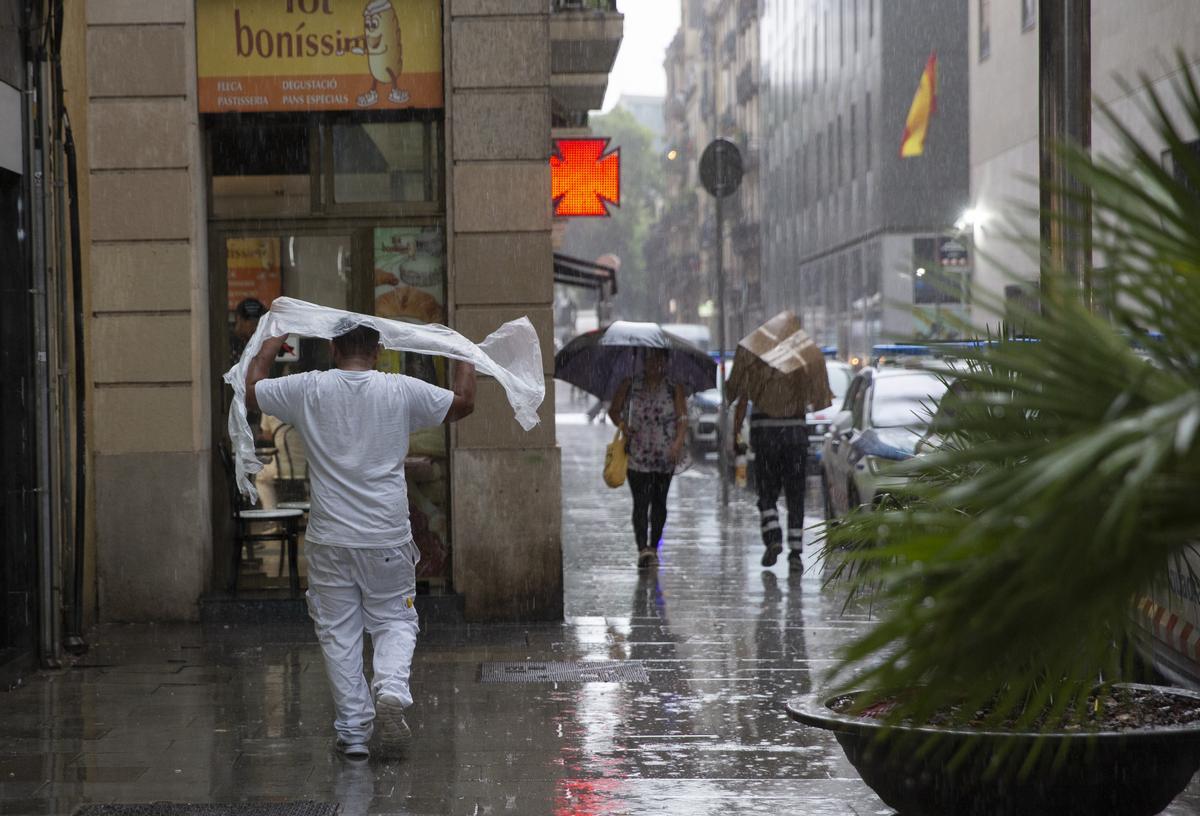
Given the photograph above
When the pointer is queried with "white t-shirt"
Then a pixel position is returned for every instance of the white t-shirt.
(356, 426)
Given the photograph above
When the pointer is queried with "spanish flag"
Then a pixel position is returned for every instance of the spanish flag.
(924, 106)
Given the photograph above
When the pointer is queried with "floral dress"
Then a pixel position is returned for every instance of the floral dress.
(652, 425)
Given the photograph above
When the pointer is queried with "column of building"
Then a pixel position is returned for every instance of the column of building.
(506, 483)
(148, 300)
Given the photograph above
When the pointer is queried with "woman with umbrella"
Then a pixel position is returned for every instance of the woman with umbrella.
(646, 373)
(652, 413)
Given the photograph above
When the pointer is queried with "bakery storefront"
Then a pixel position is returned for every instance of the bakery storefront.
(323, 131)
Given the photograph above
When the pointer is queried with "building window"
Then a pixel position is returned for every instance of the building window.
(853, 141)
(1178, 170)
(841, 32)
(814, 53)
(840, 152)
(284, 165)
(817, 169)
(867, 132)
(1028, 14)
(831, 160)
(854, 25)
(985, 29)
(385, 161)
(939, 267)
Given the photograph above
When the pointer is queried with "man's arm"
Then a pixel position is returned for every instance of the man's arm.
(260, 368)
(464, 392)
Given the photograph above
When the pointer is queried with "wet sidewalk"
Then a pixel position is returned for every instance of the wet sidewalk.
(192, 714)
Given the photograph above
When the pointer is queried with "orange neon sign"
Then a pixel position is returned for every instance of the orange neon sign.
(583, 177)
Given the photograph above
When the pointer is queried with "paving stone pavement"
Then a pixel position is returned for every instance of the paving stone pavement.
(242, 713)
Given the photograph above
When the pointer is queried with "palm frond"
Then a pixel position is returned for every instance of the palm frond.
(1068, 470)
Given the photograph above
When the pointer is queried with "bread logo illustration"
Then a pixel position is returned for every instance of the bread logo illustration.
(385, 56)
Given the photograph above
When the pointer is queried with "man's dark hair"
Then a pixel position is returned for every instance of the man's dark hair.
(250, 309)
(358, 342)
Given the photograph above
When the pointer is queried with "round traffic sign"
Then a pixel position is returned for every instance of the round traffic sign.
(721, 168)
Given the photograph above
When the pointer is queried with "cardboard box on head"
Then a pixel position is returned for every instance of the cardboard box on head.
(780, 369)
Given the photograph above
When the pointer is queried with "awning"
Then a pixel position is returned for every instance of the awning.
(578, 272)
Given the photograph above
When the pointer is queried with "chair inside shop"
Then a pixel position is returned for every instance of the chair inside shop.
(253, 524)
(291, 462)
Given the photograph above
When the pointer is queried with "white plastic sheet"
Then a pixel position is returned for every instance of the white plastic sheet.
(511, 354)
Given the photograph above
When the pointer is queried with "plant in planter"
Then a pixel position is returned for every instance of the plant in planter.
(1067, 475)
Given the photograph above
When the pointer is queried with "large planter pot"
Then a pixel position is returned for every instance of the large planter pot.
(1125, 773)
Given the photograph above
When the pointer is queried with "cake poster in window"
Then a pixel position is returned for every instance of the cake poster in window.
(410, 274)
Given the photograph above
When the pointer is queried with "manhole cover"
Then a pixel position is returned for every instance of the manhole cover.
(185, 809)
(585, 671)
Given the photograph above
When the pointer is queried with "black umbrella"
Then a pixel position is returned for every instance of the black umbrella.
(598, 361)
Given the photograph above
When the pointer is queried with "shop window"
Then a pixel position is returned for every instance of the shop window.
(261, 168)
(265, 166)
(379, 162)
(940, 267)
(409, 266)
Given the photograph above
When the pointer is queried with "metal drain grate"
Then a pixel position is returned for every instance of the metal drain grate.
(585, 671)
(184, 809)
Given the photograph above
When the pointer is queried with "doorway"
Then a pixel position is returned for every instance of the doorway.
(18, 476)
(394, 269)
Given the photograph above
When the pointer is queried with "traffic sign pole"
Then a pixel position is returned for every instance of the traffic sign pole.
(721, 173)
(723, 415)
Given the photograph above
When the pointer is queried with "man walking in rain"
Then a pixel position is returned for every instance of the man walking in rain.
(356, 424)
(780, 460)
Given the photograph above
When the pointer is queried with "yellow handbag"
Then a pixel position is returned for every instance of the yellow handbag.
(616, 461)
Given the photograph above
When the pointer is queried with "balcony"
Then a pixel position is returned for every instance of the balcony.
(585, 36)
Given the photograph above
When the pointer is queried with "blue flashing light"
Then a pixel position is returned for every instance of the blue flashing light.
(893, 349)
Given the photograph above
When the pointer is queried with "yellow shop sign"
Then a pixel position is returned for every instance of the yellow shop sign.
(311, 55)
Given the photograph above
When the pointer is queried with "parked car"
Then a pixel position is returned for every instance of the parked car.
(704, 412)
(884, 415)
(817, 421)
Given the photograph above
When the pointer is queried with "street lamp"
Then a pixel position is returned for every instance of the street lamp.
(971, 218)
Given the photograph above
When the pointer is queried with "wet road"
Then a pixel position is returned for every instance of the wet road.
(242, 714)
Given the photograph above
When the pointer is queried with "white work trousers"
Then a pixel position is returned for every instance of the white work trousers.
(350, 590)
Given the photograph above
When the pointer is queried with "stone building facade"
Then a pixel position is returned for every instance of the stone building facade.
(851, 229)
(1128, 41)
(173, 189)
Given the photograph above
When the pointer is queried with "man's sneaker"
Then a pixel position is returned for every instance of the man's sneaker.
(353, 750)
(794, 562)
(772, 553)
(394, 733)
(647, 558)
